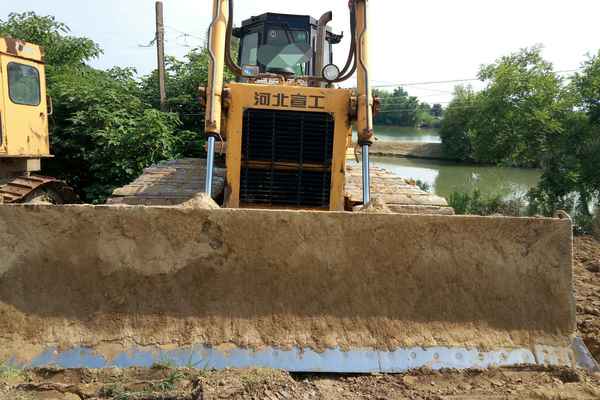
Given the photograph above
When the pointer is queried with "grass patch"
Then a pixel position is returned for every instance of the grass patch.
(8, 371)
(475, 203)
(170, 382)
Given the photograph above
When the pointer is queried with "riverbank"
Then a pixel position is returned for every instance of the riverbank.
(431, 151)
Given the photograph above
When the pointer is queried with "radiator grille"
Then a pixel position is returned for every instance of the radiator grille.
(286, 158)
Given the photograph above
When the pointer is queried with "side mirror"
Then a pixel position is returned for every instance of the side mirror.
(50, 105)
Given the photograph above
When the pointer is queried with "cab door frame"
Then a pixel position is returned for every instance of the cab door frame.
(28, 124)
(3, 85)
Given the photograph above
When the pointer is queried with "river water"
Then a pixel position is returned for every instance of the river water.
(397, 133)
(446, 177)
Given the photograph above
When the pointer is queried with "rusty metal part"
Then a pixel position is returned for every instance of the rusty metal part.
(376, 105)
(25, 188)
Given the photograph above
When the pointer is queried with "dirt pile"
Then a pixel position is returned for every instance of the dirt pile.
(202, 201)
(587, 289)
(376, 206)
(164, 383)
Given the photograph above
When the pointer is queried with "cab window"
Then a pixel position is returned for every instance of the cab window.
(286, 50)
(250, 49)
(24, 84)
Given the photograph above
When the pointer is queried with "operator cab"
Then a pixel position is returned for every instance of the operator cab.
(282, 44)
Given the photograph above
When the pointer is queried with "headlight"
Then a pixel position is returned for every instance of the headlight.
(250, 70)
(331, 72)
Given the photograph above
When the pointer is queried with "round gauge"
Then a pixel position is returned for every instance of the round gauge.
(331, 72)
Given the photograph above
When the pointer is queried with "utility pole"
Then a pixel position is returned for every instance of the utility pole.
(160, 49)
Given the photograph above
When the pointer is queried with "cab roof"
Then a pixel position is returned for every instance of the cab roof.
(21, 49)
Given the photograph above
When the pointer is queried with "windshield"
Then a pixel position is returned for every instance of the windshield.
(250, 49)
(23, 84)
(286, 51)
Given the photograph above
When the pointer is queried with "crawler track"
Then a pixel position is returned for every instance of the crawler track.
(35, 188)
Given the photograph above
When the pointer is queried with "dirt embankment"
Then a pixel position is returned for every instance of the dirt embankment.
(408, 149)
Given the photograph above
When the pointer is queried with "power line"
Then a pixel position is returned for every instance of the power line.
(186, 34)
(425, 83)
(452, 80)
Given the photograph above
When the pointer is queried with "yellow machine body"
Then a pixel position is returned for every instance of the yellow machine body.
(326, 106)
(23, 104)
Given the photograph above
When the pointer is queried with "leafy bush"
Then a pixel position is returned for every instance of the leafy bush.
(476, 204)
(104, 134)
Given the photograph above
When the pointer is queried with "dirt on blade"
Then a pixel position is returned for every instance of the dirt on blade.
(162, 382)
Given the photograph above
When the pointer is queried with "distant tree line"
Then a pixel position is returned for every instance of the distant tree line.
(398, 108)
(529, 115)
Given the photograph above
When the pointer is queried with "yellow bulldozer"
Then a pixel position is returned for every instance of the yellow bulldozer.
(287, 270)
(24, 140)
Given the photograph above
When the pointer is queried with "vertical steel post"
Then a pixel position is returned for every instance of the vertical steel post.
(210, 161)
(366, 175)
(160, 50)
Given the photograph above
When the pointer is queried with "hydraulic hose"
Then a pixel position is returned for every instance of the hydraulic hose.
(231, 64)
(350, 67)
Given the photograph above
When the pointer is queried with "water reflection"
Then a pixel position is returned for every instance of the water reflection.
(447, 177)
(403, 134)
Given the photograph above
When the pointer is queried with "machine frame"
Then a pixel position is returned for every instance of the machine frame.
(24, 138)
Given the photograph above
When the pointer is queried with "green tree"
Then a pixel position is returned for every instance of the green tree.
(183, 80)
(456, 127)
(511, 120)
(570, 179)
(60, 49)
(527, 115)
(397, 108)
(437, 110)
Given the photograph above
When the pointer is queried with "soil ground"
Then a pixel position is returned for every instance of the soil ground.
(164, 383)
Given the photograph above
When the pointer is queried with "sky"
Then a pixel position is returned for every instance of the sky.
(414, 42)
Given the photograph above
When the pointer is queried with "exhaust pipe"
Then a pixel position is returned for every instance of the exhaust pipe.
(321, 38)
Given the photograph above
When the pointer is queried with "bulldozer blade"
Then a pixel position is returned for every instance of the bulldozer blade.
(122, 286)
